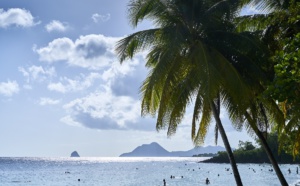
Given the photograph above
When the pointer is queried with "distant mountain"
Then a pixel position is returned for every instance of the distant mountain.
(199, 150)
(75, 154)
(155, 150)
(148, 150)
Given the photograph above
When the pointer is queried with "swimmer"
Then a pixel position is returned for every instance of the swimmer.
(207, 181)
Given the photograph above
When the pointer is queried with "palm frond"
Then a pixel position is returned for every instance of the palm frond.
(142, 9)
(204, 124)
(130, 45)
(196, 114)
(253, 23)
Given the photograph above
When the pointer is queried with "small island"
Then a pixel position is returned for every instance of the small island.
(75, 154)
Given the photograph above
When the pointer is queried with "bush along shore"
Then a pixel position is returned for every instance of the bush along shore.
(248, 153)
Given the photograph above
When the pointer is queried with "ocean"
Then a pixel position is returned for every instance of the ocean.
(146, 171)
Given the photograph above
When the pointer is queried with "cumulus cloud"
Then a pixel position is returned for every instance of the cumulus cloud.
(48, 101)
(115, 107)
(37, 73)
(126, 79)
(9, 88)
(105, 111)
(90, 51)
(56, 25)
(17, 17)
(103, 18)
(71, 85)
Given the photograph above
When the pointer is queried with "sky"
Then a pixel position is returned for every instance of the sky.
(63, 89)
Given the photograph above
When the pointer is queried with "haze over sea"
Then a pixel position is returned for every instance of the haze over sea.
(141, 171)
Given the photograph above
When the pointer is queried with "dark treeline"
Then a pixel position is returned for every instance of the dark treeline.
(248, 153)
(205, 155)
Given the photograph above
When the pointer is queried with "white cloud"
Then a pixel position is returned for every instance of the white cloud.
(127, 78)
(17, 17)
(48, 101)
(70, 85)
(117, 107)
(56, 25)
(97, 17)
(90, 51)
(70, 121)
(37, 73)
(58, 50)
(9, 88)
(105, 111)
(59, 87)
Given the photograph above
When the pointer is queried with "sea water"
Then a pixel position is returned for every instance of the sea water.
(144, 171)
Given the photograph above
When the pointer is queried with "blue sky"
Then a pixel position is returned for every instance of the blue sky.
(63, 89)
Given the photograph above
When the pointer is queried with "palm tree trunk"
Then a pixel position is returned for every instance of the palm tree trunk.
(271, 158)
(227, 145)
(267, 150)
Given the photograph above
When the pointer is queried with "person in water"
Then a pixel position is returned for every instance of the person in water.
(207, 181)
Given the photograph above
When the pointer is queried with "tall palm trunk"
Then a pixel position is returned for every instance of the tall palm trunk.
(227, 145)
(268, 151)
(271, 158)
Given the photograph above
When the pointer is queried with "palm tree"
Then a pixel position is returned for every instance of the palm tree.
(258, 118)
(192, 61)
(260, 103)
(275, 26)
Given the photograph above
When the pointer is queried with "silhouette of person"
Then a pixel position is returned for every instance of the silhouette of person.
(289, 171)
(207, 181)
(164, 182)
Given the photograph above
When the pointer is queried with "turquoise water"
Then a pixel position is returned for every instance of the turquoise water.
(133, 172)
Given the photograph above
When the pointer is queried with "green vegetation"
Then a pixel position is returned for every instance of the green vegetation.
(248, 153)
(206, 155)
(279, 29)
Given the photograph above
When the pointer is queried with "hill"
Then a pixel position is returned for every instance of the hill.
(155, 150)
(148, 150)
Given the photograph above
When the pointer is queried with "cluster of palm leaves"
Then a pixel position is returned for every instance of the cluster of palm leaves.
(279, 29)
(201, 53)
